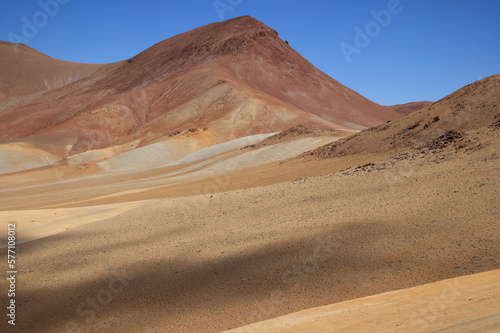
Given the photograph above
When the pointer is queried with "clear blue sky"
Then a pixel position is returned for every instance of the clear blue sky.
(429, 48)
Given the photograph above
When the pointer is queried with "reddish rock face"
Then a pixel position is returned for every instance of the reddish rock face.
(236, 78)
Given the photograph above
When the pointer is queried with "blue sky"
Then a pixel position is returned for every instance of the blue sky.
(424, 50)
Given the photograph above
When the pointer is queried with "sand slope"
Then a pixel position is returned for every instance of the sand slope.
(220, 260)
(175, 151)
(141, 171)
(465, 304)
(33, 225)
(22, 156)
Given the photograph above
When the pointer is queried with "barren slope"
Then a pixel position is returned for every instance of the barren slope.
(244, 248)
(405, 109)
(474, 107)
(236, 78)
(465, 304)
(215, 261)
(25, 71)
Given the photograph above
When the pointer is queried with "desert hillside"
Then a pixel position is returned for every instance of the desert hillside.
(237, 78)
(219, 181)
(27, 73)
(405, 109)
(266, 225)
(474, 108)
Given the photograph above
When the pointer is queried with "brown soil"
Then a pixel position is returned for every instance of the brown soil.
(236, 78)
(473, 107)
(248, 234)
(374, 222)
(406, 109)
(465, 304)
(26, 71)
(221, 260)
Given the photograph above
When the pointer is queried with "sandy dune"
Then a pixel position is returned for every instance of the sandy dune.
(339, 239)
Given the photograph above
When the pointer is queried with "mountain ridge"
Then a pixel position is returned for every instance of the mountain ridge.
(236, 77)
(471, 108)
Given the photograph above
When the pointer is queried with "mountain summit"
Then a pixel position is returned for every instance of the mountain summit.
(235, 78)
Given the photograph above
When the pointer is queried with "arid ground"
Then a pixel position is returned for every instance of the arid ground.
(138, 209)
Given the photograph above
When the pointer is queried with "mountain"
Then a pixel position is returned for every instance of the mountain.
(405, 109)
(26, 71)
(456, 117)
(235, 78)
(245, 230)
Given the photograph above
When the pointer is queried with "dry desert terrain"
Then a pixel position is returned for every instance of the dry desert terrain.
(184, 191)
